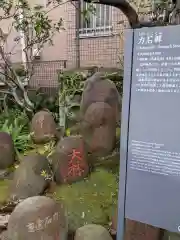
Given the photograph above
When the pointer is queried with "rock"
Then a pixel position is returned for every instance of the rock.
(75, 129)
(28, 178)
(101, 91)
(138, 231)
(38, 218)
(111, 161)
(99, 129)
(7, 156)
(43, 127)
(92, 232)
(70, 160)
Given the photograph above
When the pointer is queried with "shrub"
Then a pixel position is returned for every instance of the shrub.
(17, 126)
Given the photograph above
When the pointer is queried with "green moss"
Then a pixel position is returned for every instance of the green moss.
(118, 132)
(91, 200)
(44, 149)
(4, 190)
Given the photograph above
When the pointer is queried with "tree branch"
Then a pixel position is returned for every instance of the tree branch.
(59, 4)
(122, 5)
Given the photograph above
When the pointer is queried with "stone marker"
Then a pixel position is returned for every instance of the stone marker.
(138, 231)
(7, 156)
(70, 160)
(99, 128)
(38, 218)
(92, 232)
(43, 127)
(101, 90)
(28, 178)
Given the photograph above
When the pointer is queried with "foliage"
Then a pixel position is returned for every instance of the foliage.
(158, 12)
(36, 29)
(71, 84)
(91, 200)
(117, 78)
(15, 114)
(47, 149)
(42, 100)
(17, 126)
(161, 11)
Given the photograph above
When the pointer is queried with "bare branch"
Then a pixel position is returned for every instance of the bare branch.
(56, 6)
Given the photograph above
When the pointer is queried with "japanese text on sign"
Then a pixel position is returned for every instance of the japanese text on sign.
(157, 72)
(146, 38)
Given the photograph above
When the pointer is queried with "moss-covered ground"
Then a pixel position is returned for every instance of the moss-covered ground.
(92, 200)
(4, 190)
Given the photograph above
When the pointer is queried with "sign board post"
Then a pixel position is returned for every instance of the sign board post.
(149, 190)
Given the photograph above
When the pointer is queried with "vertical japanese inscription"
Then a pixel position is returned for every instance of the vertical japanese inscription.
(75, 164)
(158, 68)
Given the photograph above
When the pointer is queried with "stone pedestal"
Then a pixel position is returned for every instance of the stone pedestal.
(138, 231)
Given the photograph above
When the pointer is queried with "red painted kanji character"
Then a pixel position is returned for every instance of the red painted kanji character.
(75, 165)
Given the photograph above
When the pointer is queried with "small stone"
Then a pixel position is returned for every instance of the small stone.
(38, 218)
(7, 156)
(28, 179)
(70, 160)
(92, 232)
(43, 127)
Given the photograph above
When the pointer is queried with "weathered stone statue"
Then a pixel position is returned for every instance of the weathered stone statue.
(43, 127)
(100, 109)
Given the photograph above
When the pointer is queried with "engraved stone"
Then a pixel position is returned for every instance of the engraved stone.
(38, 218)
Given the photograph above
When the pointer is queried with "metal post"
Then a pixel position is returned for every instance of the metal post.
(78, 22)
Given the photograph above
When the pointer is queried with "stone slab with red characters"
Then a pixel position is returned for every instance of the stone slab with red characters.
(70, 160)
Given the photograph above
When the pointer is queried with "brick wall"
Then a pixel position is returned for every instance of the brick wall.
(103, 51)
